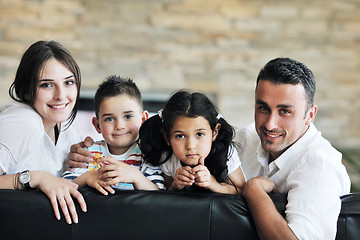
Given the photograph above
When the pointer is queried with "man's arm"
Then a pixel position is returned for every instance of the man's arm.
(79, 157)
(269, 223)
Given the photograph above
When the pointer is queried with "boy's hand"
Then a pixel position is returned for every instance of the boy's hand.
(183, 177)
(94, 180)
(78, 156)
(114, 171)
(202, 175)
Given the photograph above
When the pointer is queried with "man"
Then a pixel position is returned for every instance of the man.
(285, 153)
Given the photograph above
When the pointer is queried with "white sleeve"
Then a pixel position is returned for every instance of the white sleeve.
(314, 199)
(20, 130)
(234, 160)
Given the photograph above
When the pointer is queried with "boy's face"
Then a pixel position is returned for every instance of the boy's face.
(120, 118)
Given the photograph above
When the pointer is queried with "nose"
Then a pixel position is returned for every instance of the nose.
(59, 93)
(119, 124)
(271, 121)
(190, 143)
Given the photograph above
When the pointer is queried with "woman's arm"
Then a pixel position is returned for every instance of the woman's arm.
(59, 191)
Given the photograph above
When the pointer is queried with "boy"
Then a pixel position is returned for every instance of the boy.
(118, 161)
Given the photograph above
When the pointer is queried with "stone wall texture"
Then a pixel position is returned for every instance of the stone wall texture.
(213, 46)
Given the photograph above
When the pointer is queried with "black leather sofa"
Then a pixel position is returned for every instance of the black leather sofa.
(148, 215)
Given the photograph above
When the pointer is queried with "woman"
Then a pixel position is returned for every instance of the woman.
(35, 132)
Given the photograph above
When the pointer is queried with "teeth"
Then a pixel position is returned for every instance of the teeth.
(59, 106)
(272, 135)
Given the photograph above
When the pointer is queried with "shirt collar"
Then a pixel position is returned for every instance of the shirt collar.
(284, 160)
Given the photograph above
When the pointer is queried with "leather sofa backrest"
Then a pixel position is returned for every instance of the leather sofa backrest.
(148, 215)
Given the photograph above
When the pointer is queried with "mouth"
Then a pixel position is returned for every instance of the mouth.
(192, 155)
(272, 135)
(120, 134)
(58, 106)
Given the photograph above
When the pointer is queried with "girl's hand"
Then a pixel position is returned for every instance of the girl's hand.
(183, 177)
(202, 175)
(94, 180)
(59, 191)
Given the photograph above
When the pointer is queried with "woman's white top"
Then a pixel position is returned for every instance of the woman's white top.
(24, 144)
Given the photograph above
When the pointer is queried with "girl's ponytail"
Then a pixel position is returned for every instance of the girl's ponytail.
(221, 151)
(152, 142)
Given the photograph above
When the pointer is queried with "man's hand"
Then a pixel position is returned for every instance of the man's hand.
(78, 156)
(273, 226)
(259, 183)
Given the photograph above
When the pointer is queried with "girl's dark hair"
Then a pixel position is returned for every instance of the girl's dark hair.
(183, 103)
(24, 87)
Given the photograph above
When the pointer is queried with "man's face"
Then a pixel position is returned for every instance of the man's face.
(280, 115)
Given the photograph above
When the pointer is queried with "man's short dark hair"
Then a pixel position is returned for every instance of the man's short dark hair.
(289, 71)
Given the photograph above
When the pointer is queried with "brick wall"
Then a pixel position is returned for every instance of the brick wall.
(216, 46)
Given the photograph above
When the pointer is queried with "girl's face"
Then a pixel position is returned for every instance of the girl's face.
(56, 93)
(191, 138)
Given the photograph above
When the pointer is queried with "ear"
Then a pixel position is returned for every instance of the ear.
(216, 131)
(310, 116)
(145, 116)
(96, 124)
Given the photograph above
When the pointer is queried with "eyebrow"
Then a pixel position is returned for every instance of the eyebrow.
(106, 114)
(48, 79)
(260, 102)
(199, 129)
(110, 114)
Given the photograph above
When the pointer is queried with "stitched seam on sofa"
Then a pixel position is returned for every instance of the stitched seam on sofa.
(211, 204)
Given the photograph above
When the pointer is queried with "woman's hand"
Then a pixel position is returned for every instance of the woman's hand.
(60, 192)
(78, 156)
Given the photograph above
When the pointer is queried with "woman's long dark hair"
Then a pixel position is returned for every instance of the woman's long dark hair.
(24, 87)
(183, 103)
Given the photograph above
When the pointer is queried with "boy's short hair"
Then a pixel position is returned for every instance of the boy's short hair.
(113, 86)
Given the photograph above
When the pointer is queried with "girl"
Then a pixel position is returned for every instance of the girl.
(35, 132)
(193, 144)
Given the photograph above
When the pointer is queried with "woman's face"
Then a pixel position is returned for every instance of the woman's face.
(56, 93)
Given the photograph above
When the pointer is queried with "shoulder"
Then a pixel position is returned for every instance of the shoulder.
(246, 140)
(19, 113)
(321, 166)
(170, 165)
(234, 160)
(20, 119)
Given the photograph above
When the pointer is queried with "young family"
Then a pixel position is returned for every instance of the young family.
(187, 146)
